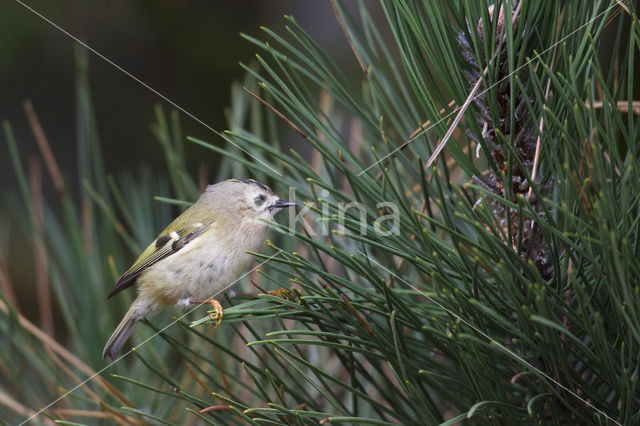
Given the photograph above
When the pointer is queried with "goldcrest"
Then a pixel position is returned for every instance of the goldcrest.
(199, 254)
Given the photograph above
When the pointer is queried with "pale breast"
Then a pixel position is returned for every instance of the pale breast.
(202, 269)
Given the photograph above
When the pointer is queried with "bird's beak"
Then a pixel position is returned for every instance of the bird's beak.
(281, 204)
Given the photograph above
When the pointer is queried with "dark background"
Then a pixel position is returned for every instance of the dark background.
(187, 51)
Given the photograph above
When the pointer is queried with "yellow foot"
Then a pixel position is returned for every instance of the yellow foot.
(216, 315)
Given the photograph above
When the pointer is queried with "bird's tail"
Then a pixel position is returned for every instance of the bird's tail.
(123, 331)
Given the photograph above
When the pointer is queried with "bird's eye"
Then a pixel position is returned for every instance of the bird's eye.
(259, 200)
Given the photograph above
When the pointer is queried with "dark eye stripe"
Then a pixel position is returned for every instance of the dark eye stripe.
(253, 182)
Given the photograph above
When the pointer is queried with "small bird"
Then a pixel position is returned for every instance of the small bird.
(199, 254)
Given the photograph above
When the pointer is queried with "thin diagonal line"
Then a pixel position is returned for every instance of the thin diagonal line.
(403, 145)
(491, 340)
(127, 73)
(147, 339)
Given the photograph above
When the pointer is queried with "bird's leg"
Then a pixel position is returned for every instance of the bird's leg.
(217, 308)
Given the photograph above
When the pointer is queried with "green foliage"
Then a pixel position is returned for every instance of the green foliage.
(448, 319)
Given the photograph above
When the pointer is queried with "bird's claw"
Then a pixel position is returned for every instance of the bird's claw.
(215, 314)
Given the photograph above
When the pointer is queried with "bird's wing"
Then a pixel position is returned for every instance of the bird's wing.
(165, 245)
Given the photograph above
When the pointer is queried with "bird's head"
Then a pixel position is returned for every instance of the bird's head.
(241, 199)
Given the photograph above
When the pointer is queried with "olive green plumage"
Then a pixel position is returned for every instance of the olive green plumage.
(199, 254)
